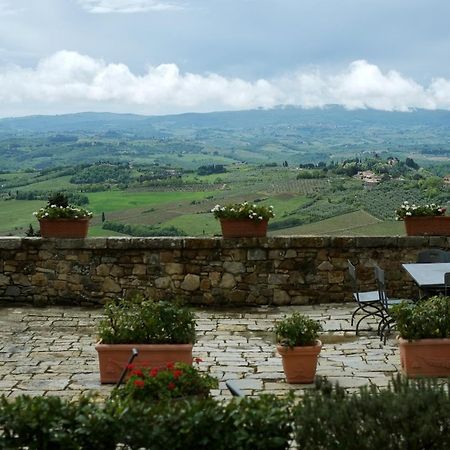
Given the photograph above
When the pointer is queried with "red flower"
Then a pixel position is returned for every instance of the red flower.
(171, 386)
(177, 373)
(130, 366)
(154, 372)
(139, 383)
(137, 372)
(198, 360)
(170, 365)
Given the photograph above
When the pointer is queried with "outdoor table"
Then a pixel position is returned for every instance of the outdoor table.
(428, 276)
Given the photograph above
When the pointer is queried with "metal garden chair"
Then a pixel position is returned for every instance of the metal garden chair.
(387, 321)
(369, 302)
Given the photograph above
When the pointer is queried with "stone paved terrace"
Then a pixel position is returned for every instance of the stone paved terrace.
(50, 351)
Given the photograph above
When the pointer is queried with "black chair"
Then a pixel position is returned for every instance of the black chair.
(387, 321)
(368, 301)
(447, 283)
(433, 255)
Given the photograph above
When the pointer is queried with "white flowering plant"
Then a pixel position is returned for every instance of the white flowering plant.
(243, 211)
(58, 207)
(412, 210)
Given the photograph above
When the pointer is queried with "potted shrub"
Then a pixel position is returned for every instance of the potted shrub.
(243, 219)
(162, 332)
(424, 336)
(59, 219)
(424, 220)
(174, 381)
(299, 346)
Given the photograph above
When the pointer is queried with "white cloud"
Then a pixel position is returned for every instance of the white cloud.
(125, 6)
(7, 8)
(68, 82)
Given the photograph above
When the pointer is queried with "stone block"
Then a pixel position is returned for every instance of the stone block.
(215, 278)
(109, 285)
(191, 282)
(290, 253)
(276, 278)
(200, 243)
(256, 254)
(174, 268)
(139, 269)
(102, 270)
(325, 265)
(10, 243)
(234, 267)
(228, 281)
(163, 282)
(281, 297)
(205, 284)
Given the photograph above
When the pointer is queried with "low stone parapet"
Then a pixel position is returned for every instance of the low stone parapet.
(211, 271)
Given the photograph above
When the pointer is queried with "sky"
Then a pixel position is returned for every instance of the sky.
(175, 56)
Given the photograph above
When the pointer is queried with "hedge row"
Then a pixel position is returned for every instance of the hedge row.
(407, 415)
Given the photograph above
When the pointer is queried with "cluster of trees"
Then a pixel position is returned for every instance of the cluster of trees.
(211, 169)
(117, 173)
(142, 230)
(75, 198)
(391, 167)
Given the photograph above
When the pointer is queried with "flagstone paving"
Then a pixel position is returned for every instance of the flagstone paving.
(50, 351)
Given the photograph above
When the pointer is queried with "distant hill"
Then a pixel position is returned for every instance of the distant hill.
(280, 135)
(331, 116)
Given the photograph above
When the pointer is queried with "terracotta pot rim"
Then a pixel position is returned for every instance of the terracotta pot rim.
(65, 219)
(424, 217)
(305, 347)
(99, 344)
(425, 341)
(243, 220)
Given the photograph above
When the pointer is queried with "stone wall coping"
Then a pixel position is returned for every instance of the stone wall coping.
(273, 242)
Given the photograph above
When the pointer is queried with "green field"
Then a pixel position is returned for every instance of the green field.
(16, 215)
(146, 200)
(121, 200)
(358, 223)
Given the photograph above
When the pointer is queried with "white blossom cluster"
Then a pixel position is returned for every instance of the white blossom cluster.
(430, 209)
(243, 211)
(61, 212)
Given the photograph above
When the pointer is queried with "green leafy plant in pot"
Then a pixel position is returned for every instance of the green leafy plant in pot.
(299, 346)
(424, 336)
(163, 332)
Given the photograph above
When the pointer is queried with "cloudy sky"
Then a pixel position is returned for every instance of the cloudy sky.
(171, 56)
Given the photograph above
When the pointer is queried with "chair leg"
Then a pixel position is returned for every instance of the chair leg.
(385, 330)
(360, 320)
(354, 314)
(376, 313)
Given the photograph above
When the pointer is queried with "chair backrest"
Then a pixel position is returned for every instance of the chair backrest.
(433, 255)
(447, 283)
(381, 284)
(353, 279)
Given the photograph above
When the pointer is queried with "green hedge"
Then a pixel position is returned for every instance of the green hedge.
(409, 415)
(53, 423)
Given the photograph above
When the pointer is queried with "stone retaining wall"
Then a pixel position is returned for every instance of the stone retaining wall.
(275, 270)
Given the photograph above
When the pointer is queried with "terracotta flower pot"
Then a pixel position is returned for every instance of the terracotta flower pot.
(300, 363)
(427, 226)
(64, 228)
(425, 357)
(114, 357)
(235, 228)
